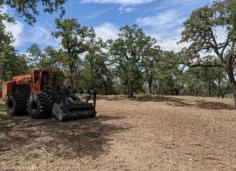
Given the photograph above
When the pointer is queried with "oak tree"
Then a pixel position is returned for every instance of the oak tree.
(200, 31)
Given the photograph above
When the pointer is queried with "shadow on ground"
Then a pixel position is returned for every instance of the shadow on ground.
(181, 102)
(175, 101)
(91, 137)
(213, 105)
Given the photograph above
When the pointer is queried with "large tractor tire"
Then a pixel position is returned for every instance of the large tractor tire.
(17, 104)
(39, 106)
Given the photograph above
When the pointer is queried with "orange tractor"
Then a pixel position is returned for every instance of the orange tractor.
(43, 95)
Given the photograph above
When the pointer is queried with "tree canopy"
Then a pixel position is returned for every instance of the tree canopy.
(200, 30)
(29, 9)
(133, 63)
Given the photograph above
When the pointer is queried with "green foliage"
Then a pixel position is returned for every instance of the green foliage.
(203, 81)
(150, 63)
(96, 72)
(133, 63)
(75, 40)
(200, 29)
(34, 55)
(50, 58)
(168, 74)
(128, 53)
(10, 65)
(10, 62)
(200, 32)
(3, 113)
(28, 9)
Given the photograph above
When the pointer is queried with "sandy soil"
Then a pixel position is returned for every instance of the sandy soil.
(146, 133)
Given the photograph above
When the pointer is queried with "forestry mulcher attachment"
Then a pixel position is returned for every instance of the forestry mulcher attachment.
(42, 95)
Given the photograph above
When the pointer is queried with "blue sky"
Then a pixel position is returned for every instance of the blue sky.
(161, 19)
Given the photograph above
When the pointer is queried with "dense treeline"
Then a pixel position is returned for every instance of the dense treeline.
(134, 62)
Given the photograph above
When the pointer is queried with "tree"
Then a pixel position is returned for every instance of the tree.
(5, 37)
(96, 72)
(34, 55)
(221, 81)
(200, 32)
(232, 8)
(47, 58)
(150, 64)
(169, 73)
(75, 40)
(51, 58)
(28, 9)
(10, 62)
(128, 53)
(205, 81)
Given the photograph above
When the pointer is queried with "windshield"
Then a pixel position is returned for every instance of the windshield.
(52, 79)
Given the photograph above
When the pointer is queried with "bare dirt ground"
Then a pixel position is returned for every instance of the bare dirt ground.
(146, 133)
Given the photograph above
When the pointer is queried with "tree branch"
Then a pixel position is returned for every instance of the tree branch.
(225, 45)
(204, 65)
(216, 48)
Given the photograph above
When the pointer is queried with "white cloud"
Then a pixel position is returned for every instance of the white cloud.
(16, 29)
(165, 20)
(40, 35)
(25, 36)
(165, 27)
(125, 9)
(166, 23)
(125, 5)
(169, 43)
(121, 2)
(107, 31)
(157, 20)
(97, 14)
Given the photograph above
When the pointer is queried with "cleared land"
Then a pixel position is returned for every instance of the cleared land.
(146, 133)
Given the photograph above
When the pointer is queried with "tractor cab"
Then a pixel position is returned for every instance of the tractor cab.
(43, 79)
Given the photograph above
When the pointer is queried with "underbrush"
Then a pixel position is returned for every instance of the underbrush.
(3, 113)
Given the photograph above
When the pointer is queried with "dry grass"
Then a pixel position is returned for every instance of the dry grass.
(144, 133)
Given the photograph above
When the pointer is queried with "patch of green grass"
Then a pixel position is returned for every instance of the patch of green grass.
(3, 113)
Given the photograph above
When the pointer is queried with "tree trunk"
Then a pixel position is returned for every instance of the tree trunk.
(209, 88)
(230, 71)
(156, 90)
(72, 80)
(219, 92)
(72, 72)
(177, 92)
(222, 94)
(196, 93)
(234, 94)
(155, 87)
(150, 86)
(131, 93)
(130, 83)
(4, 77)
(105, 88)
(219, 89)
